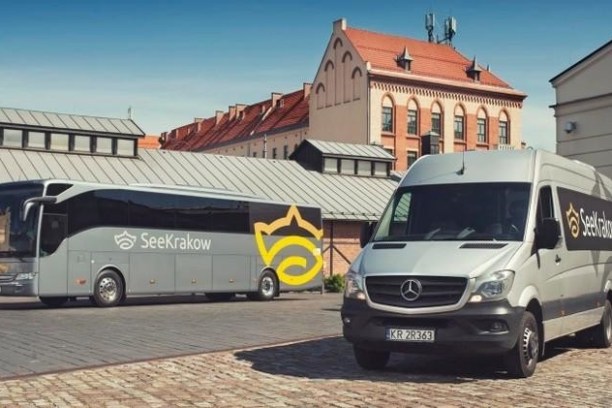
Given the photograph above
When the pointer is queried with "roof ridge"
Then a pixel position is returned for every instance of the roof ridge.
(64, 113)
(396, 36)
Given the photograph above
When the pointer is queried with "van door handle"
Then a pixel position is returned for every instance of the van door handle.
(557, 259)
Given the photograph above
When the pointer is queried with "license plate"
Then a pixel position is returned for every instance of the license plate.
(411, 335)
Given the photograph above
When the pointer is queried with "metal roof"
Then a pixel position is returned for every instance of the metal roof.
(351, 150)
(62, 121)
(341, 197)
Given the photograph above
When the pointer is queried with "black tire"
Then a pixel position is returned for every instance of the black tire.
(220, 296)
(108, 290)
(371, 359)
(266, 288)
(55, 301)
(602, 334)
(521, 361)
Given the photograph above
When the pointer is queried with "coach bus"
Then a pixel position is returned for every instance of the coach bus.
(60, 240)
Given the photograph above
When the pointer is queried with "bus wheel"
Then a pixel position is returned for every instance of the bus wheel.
(54, 301)
(220, 296)
(108, 290)
(521, 361)
(266, 289)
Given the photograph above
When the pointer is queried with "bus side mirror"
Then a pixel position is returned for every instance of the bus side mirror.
(367, 229)
(32, 202)
(548, 233)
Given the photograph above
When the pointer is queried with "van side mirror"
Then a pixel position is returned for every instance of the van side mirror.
(367, 229)
(548, 233)
(32, 202)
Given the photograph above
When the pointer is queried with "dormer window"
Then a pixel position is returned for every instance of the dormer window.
(474, 71)
(404, 60)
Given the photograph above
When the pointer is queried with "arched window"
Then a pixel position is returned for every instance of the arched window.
(329, 82)
(320, 92)
(413, 117)
(482, 127)
(338, 72)
(356, 83)
(504, 129)
(387, 115)
(459, 123)
(436, 120)
(347, 60)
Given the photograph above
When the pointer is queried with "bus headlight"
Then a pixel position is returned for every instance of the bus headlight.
(24, 276)
(353, 286)
(494, 286)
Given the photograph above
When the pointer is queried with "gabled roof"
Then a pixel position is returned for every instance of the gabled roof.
(597, 51)
(341, 197)
(348, 150)
(63, 121)
(428, 59)
(149, 142)
(244, 123)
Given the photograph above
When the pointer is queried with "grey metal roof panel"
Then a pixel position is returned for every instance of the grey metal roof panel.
(351, 150)
(63, 121)
(341, 197)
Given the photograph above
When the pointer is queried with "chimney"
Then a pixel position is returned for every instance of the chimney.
(240, 107)
(232, 112)
(218, 117)
(339, 25)
(196, 120)
(275, 98)
(306, 87)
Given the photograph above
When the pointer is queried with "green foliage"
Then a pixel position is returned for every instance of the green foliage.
(334, 283)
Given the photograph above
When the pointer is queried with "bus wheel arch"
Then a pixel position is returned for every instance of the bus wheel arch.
(109, 287)
(268, 286)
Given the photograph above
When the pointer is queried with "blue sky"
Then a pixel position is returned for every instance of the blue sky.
(176, 60)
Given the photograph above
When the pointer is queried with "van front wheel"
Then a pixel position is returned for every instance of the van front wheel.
(521, 361)
(371, 359)
(603, 332)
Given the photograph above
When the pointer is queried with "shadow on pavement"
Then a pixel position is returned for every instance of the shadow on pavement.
(332, 358)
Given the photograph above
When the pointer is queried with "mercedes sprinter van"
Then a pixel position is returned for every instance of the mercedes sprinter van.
(491, 252)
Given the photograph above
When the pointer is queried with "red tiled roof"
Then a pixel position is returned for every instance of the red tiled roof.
(149, 142)
(429, 59)
(291, 110)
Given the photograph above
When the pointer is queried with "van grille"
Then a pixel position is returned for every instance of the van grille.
(436, 290)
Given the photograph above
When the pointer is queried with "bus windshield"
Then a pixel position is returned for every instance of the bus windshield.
(457, 212)
(17, 237)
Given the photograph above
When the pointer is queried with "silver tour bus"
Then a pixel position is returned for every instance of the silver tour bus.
(60, 240)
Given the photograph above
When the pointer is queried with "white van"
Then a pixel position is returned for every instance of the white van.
(485, 252)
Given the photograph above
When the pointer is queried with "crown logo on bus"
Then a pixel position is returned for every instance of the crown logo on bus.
(303, 240)
(572, 221)
(125, 241)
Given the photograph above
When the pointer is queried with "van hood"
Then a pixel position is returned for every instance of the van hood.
(435, 258)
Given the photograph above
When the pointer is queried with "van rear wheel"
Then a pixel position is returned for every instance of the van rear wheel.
(521, 361)
(371, 359)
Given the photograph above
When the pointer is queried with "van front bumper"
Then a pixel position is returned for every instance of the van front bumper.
(477, 328)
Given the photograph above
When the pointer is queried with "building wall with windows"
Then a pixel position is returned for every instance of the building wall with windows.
(273, 146)
(583, 110)
(401, 79)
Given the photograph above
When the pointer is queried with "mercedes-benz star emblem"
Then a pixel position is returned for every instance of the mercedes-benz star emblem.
(411, 290)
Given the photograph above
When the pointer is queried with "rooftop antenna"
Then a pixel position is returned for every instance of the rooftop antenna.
(129, 112)
(430, 22)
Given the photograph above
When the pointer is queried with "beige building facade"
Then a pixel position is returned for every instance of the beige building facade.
(374, 88)
(583, 110)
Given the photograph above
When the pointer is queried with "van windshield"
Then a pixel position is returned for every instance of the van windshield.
(456, 212)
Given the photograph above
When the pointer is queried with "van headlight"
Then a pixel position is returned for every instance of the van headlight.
(494, 286)
(353, 285)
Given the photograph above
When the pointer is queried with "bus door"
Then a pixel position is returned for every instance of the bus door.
(53, 251)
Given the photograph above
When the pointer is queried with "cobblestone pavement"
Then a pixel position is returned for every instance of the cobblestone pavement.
(320, 373)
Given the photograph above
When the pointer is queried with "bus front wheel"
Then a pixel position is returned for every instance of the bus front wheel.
(108, 290)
